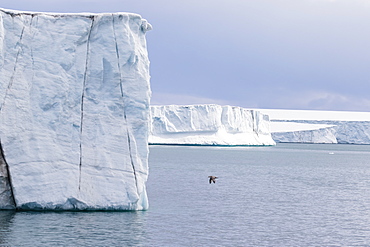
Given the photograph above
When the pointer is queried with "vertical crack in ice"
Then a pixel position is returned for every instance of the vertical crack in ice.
(254, 122)
(8, 176)
(117, 53)
(83, 96)
(31, 48)
(14, 68)
(130, 151)
(312, 136)
(124, 112)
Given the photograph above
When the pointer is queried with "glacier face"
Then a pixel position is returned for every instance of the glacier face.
(311, 135)
(344, 132)
(74, 111)
(353, 132)
(307, 126)
(208, 125)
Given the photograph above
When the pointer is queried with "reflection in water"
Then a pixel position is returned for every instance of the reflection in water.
(6, 218)
(73, 228)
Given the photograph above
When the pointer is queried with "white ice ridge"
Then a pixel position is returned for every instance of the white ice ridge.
(319, 126)
(74, 111)
(209, 125)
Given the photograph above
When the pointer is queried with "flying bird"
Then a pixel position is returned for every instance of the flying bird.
(212, 179)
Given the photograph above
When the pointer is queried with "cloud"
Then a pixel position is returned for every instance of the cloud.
(178, 99)
(325, 100)
(313, 100)
(321, 100)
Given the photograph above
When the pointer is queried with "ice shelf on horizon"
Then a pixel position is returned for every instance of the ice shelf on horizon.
(307, 126)
(209, 124)
(74, 110)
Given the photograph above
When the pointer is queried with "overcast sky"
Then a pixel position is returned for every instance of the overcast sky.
(278, 54)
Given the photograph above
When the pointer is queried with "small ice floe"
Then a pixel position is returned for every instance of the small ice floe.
(331, 153)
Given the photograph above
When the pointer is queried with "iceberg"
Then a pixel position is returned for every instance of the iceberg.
(74, 111)
(209, 124)
(305, 126)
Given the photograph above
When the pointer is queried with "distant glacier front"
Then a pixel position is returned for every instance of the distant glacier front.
(341, 132)
(209, 124)
(234, 126)
(305, 126)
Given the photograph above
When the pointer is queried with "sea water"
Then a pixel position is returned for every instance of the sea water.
(286, 195)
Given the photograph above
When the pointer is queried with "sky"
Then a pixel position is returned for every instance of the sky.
(269, 54)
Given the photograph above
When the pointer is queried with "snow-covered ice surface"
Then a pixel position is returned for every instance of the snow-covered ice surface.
(319, 126)
(313, 115)
(74, 111)
(209, 125)
(293, 126)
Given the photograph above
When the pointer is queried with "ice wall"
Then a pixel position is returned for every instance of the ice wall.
(74, 111)
(320, 135)
(353, 132)
(209, 125)
(346, 132)
(312, 126)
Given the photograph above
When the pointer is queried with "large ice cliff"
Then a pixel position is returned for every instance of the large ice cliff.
(74, 111)
(209, 125)
(320, 126)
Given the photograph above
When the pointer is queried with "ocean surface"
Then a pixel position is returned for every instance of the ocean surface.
(287, 195)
